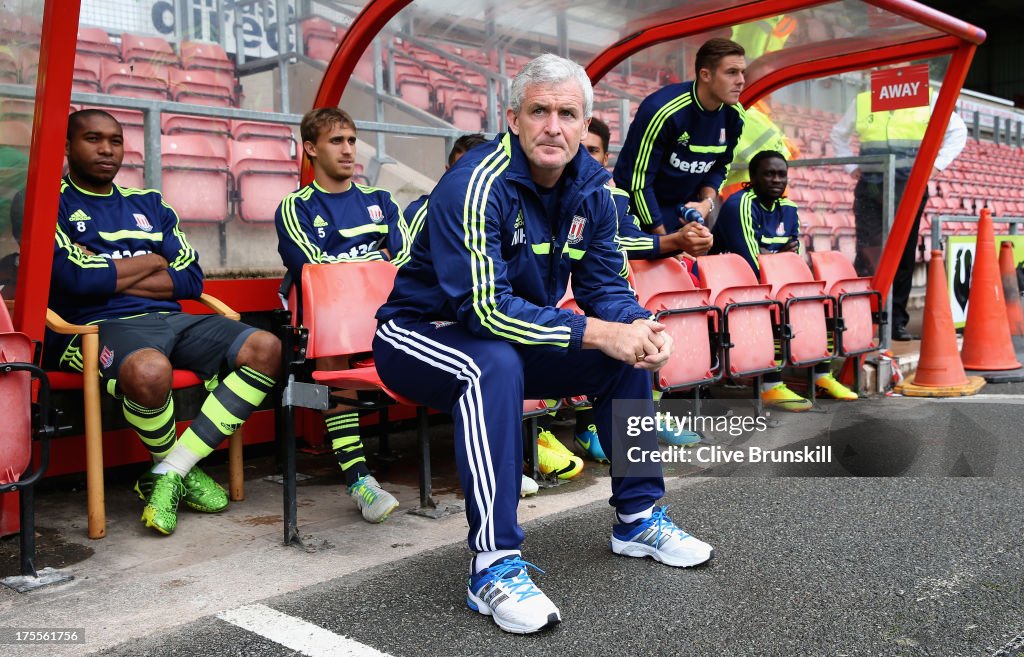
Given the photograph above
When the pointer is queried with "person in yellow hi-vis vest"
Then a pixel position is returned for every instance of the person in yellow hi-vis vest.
(759, 134)
(898, 132)
(767, 35)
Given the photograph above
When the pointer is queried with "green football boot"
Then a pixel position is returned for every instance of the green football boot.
(202, 493)
(161, 512)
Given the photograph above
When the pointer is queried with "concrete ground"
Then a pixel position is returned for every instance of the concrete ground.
(907, 542)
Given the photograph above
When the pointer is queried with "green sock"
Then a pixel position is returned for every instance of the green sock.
(343, 432)
(154, 426)
(225, 409)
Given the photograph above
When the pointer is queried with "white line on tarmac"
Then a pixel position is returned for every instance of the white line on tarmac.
(295, 633)
(983, 397)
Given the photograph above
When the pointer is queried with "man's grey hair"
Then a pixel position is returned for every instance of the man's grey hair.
(551, 69)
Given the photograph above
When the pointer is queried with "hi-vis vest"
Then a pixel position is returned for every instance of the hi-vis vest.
(898, 131)
(759, 134)
(767, 35)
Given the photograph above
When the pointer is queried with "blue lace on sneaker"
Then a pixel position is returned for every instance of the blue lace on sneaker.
(661, 539)
(514, 571)
(653, 531)
(505, 592)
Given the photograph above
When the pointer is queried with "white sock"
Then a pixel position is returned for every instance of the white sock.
(484, 560)
(820, 375)
(627, 518)
(768, 385)
(180, 460)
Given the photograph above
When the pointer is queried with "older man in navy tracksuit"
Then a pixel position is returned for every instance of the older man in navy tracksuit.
(471, 328)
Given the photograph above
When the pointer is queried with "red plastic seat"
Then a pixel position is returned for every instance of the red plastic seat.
(137, 80)
(264, 173)
(665, 288)
(17, 371)
(202, 87)
(748, 333)
(208, 56)
(131, 173)
(339, 302)
(804, 307)
(16, 134)
(96, 41)
(856, 303)
(15, 401)
(153, 50)
(87, 72)
(320, 38)
(175, 124)
(195, 176)
(243, 129)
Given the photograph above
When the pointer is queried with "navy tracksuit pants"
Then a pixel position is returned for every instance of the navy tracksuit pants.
(482, 383)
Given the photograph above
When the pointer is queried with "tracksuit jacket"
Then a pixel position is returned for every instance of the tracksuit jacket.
(745, 226)
(675, 147)
(490, 257)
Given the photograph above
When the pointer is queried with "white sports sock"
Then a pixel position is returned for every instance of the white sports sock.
(484, 560)
(627, 518)
(821, 375)
(180, 460)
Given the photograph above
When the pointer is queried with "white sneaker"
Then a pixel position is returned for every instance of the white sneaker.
(659, 538)
(528, 487)
(375, 503)
(505, 591)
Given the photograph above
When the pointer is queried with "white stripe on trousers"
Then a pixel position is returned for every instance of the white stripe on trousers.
(478, 451)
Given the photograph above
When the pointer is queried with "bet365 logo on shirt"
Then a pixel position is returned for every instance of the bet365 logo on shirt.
(691, 166)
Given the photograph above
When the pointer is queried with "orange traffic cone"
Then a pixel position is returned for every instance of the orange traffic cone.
(1014, 312)
(939, 370)
(939, 364)
(987, 343)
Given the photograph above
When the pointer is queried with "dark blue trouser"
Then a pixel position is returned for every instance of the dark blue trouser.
(482, 383)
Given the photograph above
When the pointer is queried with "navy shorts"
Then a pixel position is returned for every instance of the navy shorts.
(205, 344)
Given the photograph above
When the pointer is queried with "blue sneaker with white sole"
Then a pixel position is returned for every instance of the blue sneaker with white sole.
(661, 539)
(673, 434)
(505, 592)
(589, 441)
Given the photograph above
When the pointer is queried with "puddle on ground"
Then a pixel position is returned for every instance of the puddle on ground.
(51, 550)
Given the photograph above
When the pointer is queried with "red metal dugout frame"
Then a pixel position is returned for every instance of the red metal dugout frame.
(960, 40)
(57, 53)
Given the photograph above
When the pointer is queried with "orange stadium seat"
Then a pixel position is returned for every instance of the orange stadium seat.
(138, 80)
(96, 41)
(748, 332)
(202, 87)
(173, 124)
(87, 72)
(243, 130)
(16, 407)
(320, 39)
(804, 303)
(339, 301)
(17, 134)
(665, 288)
(207, 56)
(264, 173)
(149, 49)
(195, 176)
(856, 306)
(131, 172)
